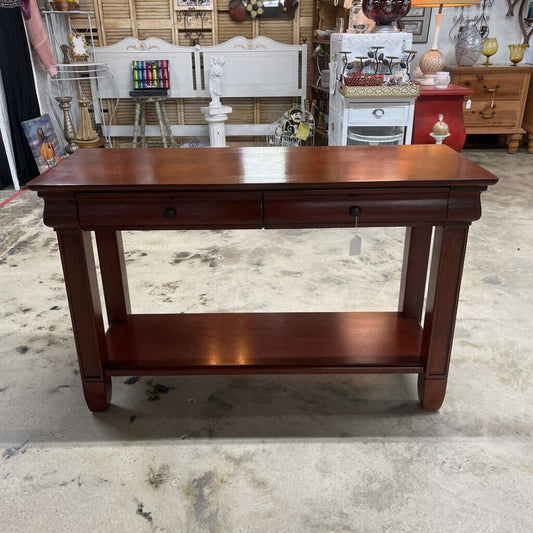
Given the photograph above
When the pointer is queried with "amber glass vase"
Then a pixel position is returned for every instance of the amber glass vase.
(516, 53)
(489, 48)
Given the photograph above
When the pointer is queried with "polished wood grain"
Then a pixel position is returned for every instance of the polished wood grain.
(330, 167)
(425, 188)
(264, 343)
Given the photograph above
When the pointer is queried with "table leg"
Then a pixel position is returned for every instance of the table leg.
(449, 246)
(161, 125)
(143, 125)
(414, 270)
(530, 143)
(79, 271)
(514, 141)
(167, 125)
(114, 277)
(136, 124)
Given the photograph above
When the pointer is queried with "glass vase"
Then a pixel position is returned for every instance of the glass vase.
(385, 12)
(468, 47)
(516, 53)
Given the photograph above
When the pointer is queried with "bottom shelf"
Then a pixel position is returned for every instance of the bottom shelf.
(255, 343)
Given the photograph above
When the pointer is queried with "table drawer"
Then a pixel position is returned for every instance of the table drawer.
(503, 114)
(508, 86)
(378, 114)
(393, 207)
(167, 210)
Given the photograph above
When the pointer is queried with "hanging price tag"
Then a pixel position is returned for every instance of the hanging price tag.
(355, 245)
(468, 103)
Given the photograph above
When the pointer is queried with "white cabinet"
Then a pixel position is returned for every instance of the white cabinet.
(370, 119)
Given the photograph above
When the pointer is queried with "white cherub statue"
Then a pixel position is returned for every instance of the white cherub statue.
(216, 73)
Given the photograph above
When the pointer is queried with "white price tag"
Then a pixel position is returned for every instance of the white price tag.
(355, 245)
(468, 103)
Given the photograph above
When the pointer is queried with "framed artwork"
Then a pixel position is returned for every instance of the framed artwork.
(78, 46)
(43, 142)
(194, 5)
(417, 22)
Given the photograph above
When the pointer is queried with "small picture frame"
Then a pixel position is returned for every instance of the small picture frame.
(417, 22)
(43, 142)
(194, 5)
(79, 50)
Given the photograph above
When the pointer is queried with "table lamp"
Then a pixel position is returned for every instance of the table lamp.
(432, 61)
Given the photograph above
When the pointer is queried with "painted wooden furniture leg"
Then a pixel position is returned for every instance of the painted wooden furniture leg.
(167, 125)
(113, 272)
(514, 141)
(136, 123)
(449, 246)
(157, 105)
(143, 125)
(79, 271)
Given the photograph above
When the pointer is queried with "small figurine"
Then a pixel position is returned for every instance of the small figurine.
(440, 130)
(216, 73)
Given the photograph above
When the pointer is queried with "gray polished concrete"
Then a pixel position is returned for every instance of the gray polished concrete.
(272, 453)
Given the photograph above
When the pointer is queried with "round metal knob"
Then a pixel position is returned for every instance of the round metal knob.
(169, 212)
(355, 210)
(378, 113)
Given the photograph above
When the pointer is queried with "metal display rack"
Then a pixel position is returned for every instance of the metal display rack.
(79, 79)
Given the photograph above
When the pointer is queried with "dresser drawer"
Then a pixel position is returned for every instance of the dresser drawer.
(167, 210)
(508, 86)
(378, 207)
(503, 114)
(378, 114)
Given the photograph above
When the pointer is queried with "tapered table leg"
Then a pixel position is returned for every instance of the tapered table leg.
(114, 278)
(414, 270)
(449, 246)
(84, 301)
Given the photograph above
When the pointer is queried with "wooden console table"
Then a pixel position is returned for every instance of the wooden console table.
(421, 187)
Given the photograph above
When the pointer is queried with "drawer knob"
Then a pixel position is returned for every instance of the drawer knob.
(378, 113)
(169, 212)
(355, 210)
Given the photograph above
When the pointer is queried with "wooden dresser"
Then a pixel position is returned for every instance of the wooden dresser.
(499, 100)
(527, 123)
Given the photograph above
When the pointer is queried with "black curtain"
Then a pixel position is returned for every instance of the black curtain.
(22, 102)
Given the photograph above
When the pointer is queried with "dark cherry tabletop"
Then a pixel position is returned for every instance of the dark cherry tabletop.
(261, 168)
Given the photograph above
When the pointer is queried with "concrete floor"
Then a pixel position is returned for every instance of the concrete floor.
(272, 453)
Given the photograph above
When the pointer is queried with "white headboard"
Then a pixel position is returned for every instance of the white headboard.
(259, 67)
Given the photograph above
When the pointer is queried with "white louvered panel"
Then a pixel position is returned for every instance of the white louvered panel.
(243, 110)
(228, 28)
(277, 29)
(163, 34)
(152, 9)
(272, 109)
(191, 110)
(171, 109)
(115, 9)
(125, 112)
(115, 35)
(305, 9)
